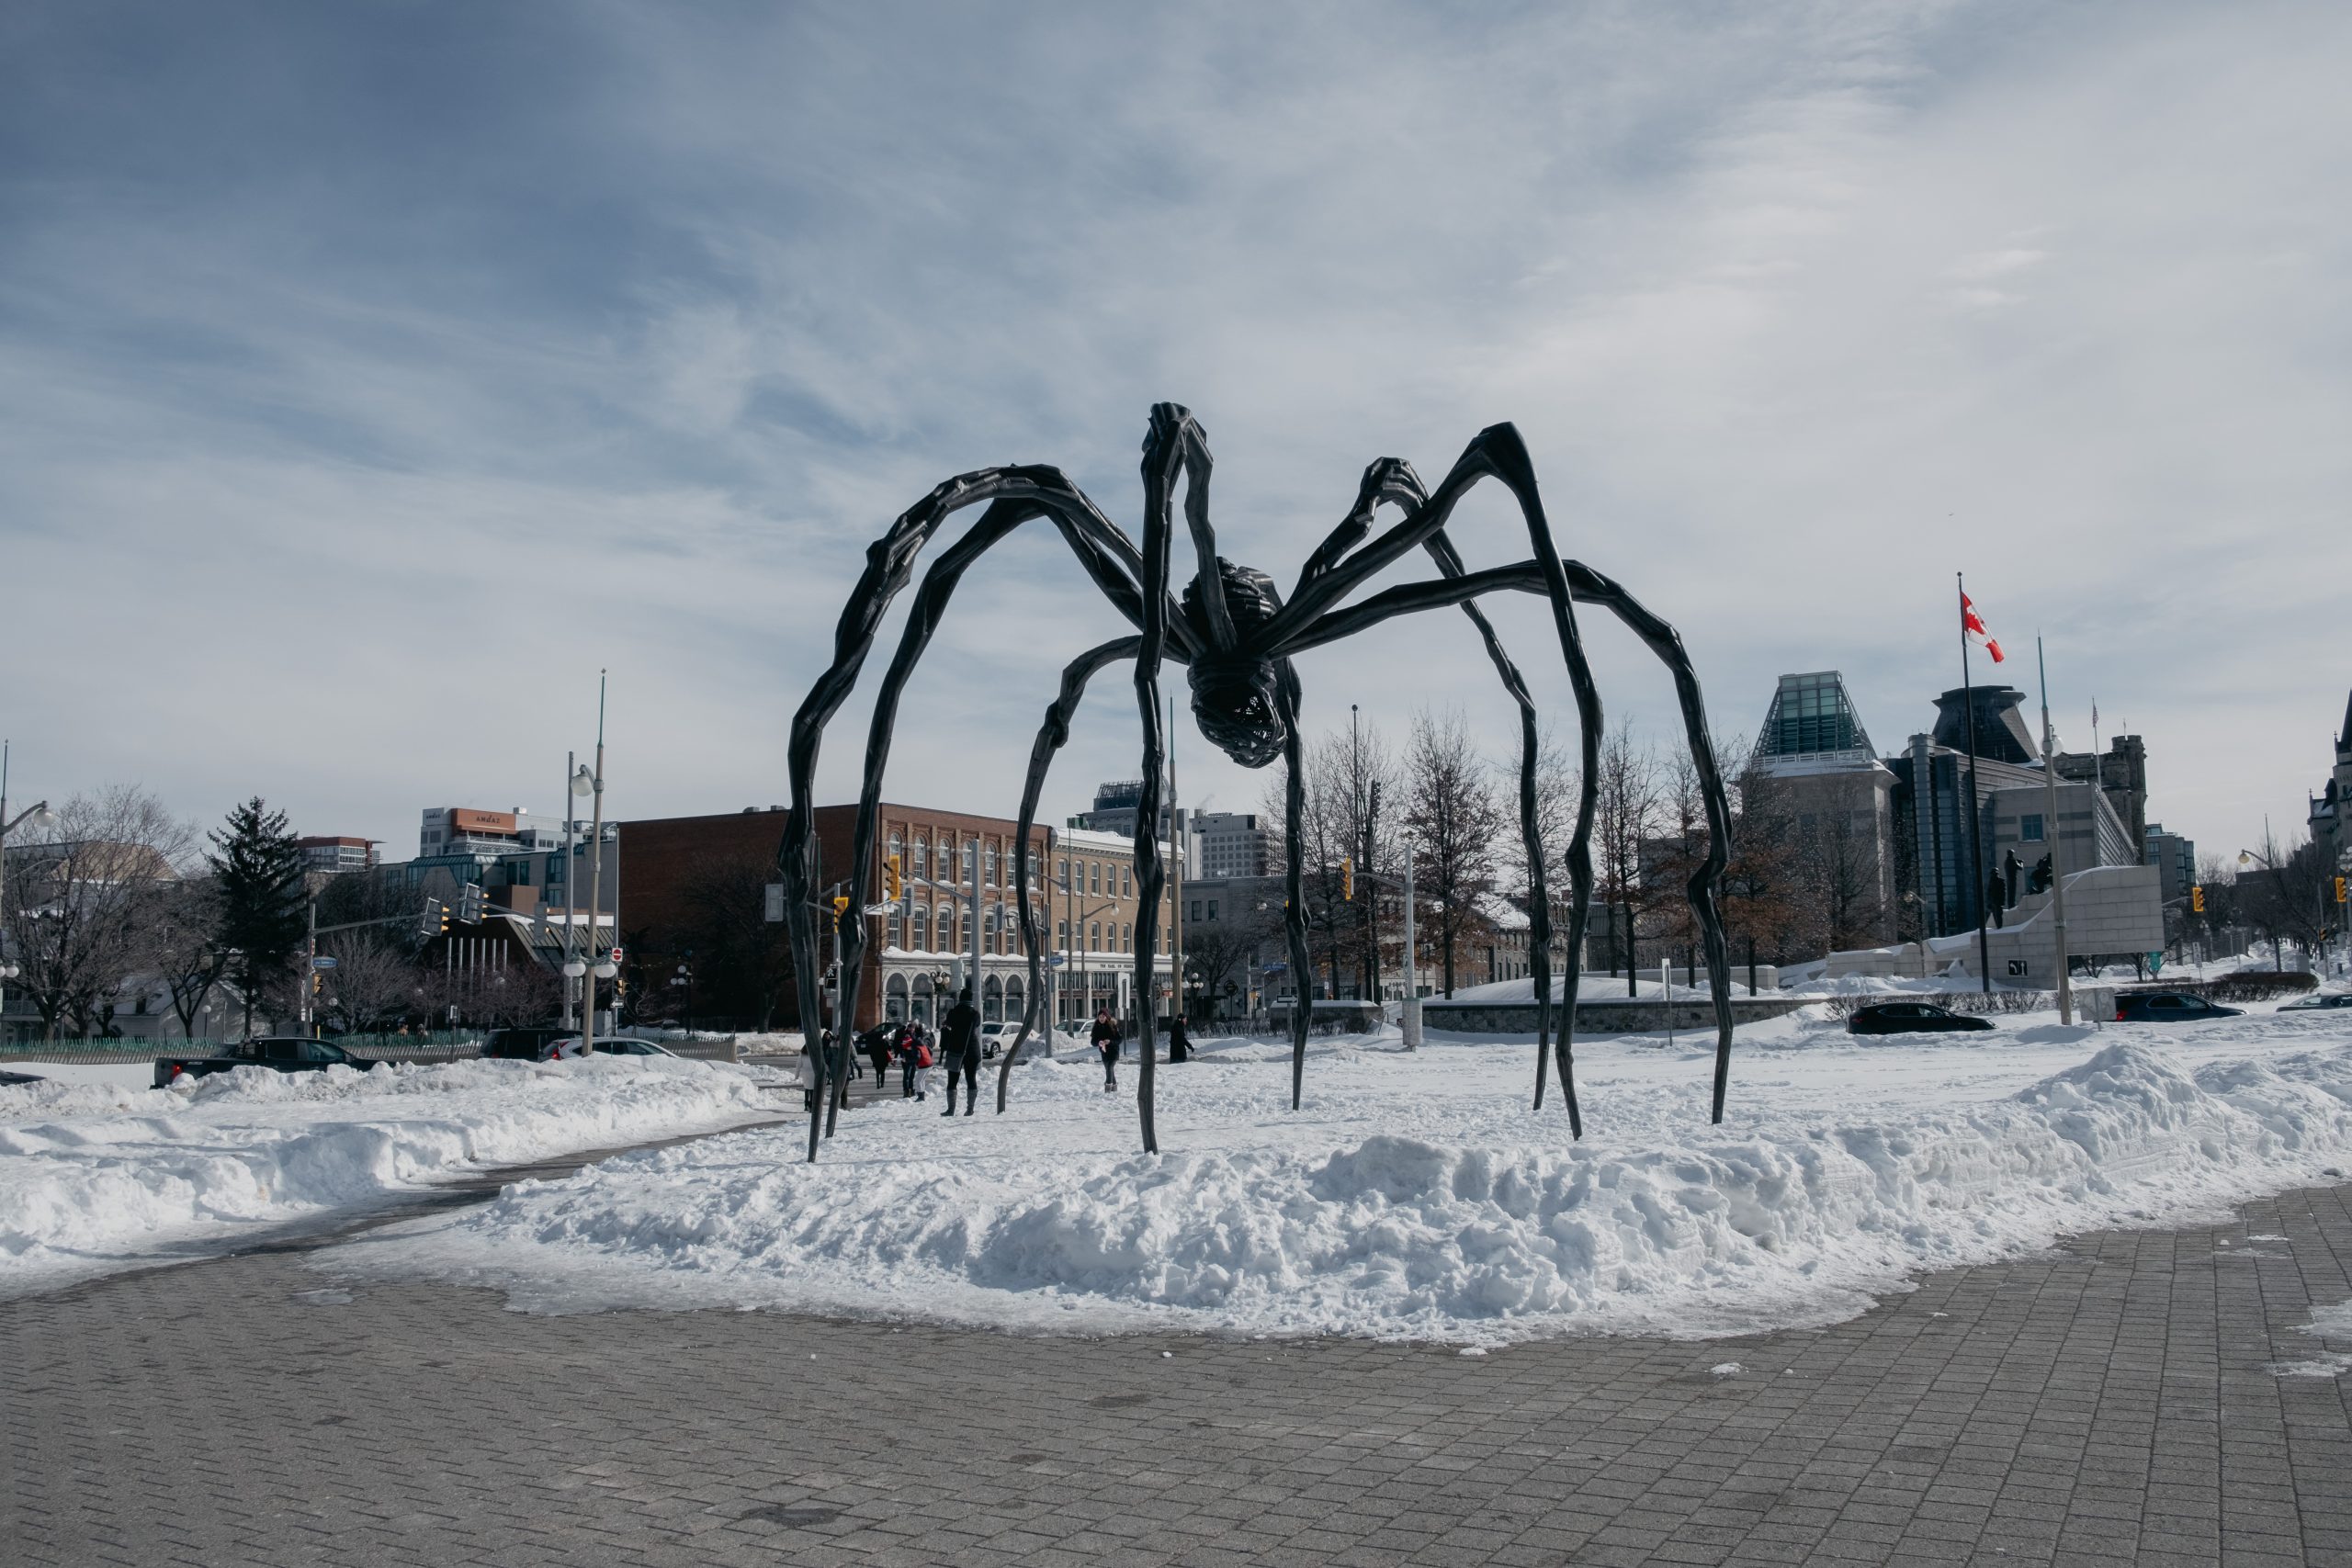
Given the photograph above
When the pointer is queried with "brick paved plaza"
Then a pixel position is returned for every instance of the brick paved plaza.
(2107, 1404)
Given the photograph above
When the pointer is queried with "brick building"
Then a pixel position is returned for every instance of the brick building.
(696, 925)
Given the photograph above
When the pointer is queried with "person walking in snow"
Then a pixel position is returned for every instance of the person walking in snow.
(961, 1034)
(908, 1032)
(919, 1060)
(1180, 1045)
(877, 1051)
(1106, 1040)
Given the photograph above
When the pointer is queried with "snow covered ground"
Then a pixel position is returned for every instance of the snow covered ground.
(1416, 1196)
(99, 1171)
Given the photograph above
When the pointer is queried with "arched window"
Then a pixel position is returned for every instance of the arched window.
(1094, 876)
(922, 1001)
(1095, 936)
(921, 864)
(894, 999)
(992, 999)
(922, 928)
(990, 871)
(1127, 938)
(1061, 935)
(897, 935)
(947, 940)
(1016, 1001)
(898, 850)
(1061, 872)
(1127, 881)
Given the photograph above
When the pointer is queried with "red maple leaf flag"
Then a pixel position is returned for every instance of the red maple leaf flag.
(1973, 625)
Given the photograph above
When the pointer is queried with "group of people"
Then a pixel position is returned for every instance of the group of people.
(916, 1051)
(957, 1048)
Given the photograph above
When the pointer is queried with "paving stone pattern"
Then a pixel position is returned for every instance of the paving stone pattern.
(2107, 1404)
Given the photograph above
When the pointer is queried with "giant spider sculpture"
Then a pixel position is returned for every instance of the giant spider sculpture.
(1236, 636)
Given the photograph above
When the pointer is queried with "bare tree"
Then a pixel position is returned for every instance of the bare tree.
(2287, 894)
(1761, 880)
(1555, 820)
(740, 956)
(1454, 822)
(85, 897)
(373, 985)
(1340, 772)
(185, 951)
(1840, 861)
(1624, 816)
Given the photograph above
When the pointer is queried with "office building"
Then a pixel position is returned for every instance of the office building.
(2175, 857)
(335, 856)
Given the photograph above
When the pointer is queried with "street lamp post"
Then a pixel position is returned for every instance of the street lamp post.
(600, 963)
(577, 781)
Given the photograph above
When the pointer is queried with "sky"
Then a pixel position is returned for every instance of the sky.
(371, 376)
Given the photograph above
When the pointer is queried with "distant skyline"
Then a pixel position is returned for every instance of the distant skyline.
(371, 376)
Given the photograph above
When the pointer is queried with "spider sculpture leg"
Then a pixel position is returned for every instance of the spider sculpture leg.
(1108, 557)
(1531, 577)
(1539, 912)
(1051, 736)
(1163, 452)
(1286, 695)
(1497, 452)
(1393, 479)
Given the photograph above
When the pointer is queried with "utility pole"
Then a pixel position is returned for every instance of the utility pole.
(2057, 871)
(570, 787)
(973, 937)
(1408, 1016)
(1176, 837)
(1371, 894)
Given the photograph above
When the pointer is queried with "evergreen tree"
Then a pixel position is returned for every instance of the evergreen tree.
(258, 889)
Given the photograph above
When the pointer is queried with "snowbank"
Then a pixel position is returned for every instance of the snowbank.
(1417, 1197)
(97, 1174)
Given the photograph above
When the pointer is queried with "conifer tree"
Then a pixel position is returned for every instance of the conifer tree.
(258, 889)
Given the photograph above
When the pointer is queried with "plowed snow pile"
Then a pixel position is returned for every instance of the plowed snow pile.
(96, 1175)
(1417, 1196)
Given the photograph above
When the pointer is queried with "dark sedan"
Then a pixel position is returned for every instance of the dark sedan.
(2168, 1007)
(1911, 1018)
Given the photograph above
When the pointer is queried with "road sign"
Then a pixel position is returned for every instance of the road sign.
(1056, 961)
(2017, 965)
(323, 962)
(776, 902)
(617, 955)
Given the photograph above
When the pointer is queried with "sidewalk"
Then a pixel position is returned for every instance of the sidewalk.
(2109, 1402)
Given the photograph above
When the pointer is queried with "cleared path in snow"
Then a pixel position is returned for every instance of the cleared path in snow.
(2110, 1402)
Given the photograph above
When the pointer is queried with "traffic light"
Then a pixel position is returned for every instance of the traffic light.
(2340, 890)
(1347, 878)
(470, 901)
(2196, 900)
(433, 922)
(893, 885)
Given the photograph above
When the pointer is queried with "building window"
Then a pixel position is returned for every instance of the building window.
(990, 872)
(1035, 862)
(1127, 938)
(923, 927)
(1061, 872)
(1095, 936)
(896, 931)
(2029, 828)
(1211, 908)
(898, 850)
(1061, 935)
(923, 859)
(1196, 911)
(1094, 876)
(1127, 879)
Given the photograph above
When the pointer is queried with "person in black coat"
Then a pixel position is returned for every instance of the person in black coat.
(1106, 1040)
(961, 1037)
(1180, 1045)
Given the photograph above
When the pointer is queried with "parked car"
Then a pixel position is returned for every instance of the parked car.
(280, 1054)
(998, 1036)
(2312, 1004)
(2168, 1007)
(526, 1045)
(618, 1046)
(1911, 1018)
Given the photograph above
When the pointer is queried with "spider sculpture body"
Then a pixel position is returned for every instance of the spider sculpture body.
(1235, 633)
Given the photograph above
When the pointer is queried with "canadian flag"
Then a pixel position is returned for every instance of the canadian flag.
(1973, 625)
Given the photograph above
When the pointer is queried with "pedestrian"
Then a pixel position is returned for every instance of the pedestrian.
(908, 1033)
(877, 1051)
(960, 1036)
(1106, 1040)
(918, 1061)
(1179, 1048)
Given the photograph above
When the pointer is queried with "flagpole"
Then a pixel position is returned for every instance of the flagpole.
(1975, 809)
(2050, 805)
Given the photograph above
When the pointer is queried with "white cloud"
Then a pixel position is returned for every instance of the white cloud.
(654, 320)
